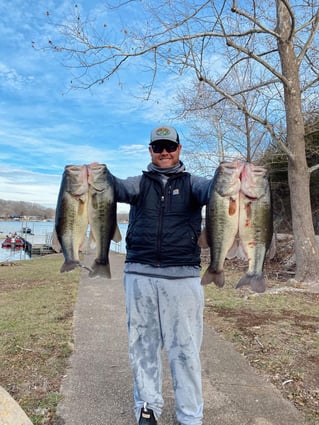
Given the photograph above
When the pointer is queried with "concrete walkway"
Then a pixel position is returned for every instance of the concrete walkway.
(97, 389)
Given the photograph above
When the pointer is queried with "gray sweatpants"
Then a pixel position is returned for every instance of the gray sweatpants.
(166, 313)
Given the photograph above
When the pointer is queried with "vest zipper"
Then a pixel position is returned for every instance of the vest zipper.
(160, 230)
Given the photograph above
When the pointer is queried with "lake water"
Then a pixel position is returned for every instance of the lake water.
(41, 232)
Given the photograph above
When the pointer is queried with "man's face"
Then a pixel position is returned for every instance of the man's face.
(165, 154)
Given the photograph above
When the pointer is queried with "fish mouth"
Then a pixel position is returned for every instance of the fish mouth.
(230, 166)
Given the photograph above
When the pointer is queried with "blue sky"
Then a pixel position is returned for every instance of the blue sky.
(44, 126)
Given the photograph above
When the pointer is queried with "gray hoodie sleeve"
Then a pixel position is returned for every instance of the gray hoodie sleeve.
(201, 188)
(127, 190)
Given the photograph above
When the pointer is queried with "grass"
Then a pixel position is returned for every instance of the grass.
(36, 318)
(276, 331)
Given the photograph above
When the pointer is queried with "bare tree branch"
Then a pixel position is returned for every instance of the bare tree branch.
(311, 37)
(258, 59)
(314, 168)
(243, 108)
(252, 19)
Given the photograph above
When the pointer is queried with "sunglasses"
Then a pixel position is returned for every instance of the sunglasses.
(169, 147)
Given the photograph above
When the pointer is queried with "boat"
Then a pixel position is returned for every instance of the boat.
(13, 242)
(26, 230)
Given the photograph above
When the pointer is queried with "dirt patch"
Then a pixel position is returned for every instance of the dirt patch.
(278, 331)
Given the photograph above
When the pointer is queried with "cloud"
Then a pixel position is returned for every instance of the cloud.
(19, 184)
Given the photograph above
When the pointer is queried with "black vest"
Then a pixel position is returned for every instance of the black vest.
(165, 223)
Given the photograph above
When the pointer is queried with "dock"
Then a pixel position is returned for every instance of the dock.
(35, 244)
(38, 248)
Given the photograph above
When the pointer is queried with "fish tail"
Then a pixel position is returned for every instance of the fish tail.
(67, 266)
(100, 270)
(256, 282)
(212, 276)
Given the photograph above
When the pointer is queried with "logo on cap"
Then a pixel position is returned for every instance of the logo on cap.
(163, 131)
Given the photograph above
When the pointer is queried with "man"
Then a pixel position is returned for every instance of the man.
(164, 298)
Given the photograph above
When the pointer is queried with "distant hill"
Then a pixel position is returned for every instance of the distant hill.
(10, 210)
(20, 209)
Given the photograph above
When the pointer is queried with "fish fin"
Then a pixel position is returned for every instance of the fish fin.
(202, 240)
(117, 237)
(86, 267)
(84, 245)
(55, 242)
(67, 266)
(92, 240)
(211, 276)
(100, 270)
(232, 252)
(236, 251)
(256, 282)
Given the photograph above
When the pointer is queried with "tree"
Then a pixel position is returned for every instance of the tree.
(280, 37)
(220, 130)
(277, 164)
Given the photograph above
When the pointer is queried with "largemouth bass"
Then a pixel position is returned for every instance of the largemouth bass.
(71, 220)
(222, 219)
(255, 224)
(102, 216)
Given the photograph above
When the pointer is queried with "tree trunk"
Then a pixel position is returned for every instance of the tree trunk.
(306, 246)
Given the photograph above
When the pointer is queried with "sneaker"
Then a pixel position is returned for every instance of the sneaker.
(147, 417)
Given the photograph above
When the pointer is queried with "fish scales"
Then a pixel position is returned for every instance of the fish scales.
(222, 218)
(255, 224)
(102, 216)
(71, 220)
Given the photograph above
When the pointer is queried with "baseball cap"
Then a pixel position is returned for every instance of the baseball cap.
(164, 133)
